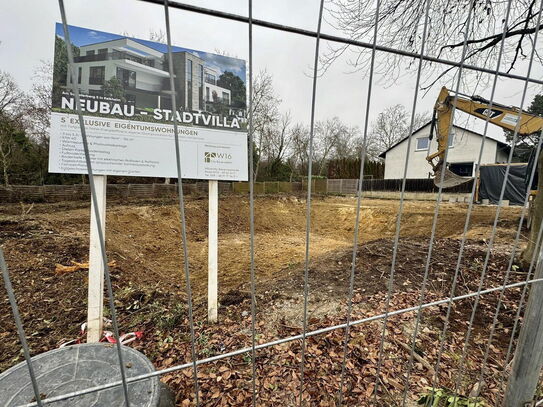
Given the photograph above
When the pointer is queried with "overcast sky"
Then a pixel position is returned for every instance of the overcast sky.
(28, 26)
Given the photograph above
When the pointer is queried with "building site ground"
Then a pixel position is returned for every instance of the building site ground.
(144, 244)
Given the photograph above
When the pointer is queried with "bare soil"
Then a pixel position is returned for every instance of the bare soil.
(145, 241)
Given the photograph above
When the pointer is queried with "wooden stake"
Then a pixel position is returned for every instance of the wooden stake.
(95, 311)
(213, 232)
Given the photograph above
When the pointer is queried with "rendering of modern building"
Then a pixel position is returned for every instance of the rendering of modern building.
(138, 68)
(143, 75)
(197, 84)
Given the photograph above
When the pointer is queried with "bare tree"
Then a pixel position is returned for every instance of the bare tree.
(401, 26)
(346, 143)
(333, 139)
(10, 94)
(39, 103)
(276, 140)
(265, 109)
(157, 36)
(324, 141)
(225, 53)
(299, 148)
(391, 125)
(11, 102)
(12, 138)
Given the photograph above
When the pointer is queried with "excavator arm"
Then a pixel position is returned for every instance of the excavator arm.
(503, 116)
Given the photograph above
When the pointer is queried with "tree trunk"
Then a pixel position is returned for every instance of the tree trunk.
(255, 175)
(5, 164)
(6, 179)
(537, 216)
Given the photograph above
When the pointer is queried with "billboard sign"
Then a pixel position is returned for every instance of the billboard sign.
(126, 100)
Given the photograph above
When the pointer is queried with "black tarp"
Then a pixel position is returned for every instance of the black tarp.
(531, 162)
(491, 181)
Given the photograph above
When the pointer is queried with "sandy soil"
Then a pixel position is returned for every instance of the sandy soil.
(146, 238)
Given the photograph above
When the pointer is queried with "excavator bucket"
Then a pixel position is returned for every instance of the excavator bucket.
(449, 180)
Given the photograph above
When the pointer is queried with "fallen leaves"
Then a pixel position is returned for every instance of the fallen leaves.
(228, 382)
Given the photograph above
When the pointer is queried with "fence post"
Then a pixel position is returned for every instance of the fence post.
(341, 186)
(528, 359)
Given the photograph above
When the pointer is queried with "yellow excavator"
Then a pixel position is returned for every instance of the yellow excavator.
(506, 117)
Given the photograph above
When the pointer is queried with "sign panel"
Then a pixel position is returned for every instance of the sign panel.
(126, 99)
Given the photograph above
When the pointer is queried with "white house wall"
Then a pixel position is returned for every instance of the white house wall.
(110, 70)
(465, 148)
(146, 81)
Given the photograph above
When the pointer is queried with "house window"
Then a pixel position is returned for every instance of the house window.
(422, 143)
(97, 75)
(200, 85)
(126, 77)
(207, 94)
(209, 78)
(226, 98)
(102, 51)
(189, 70)
(94, 92)
(91, 52)
(188, 73)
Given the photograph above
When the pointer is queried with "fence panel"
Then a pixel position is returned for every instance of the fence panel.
(284, 186)
(334, 186)
(55, 193)
(349, 186)
(400, 298)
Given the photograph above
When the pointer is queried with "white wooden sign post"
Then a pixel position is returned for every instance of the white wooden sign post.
(95, 311)
(213, 232)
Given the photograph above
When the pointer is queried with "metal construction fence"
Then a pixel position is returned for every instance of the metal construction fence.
(55, 193)
(519, 378)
